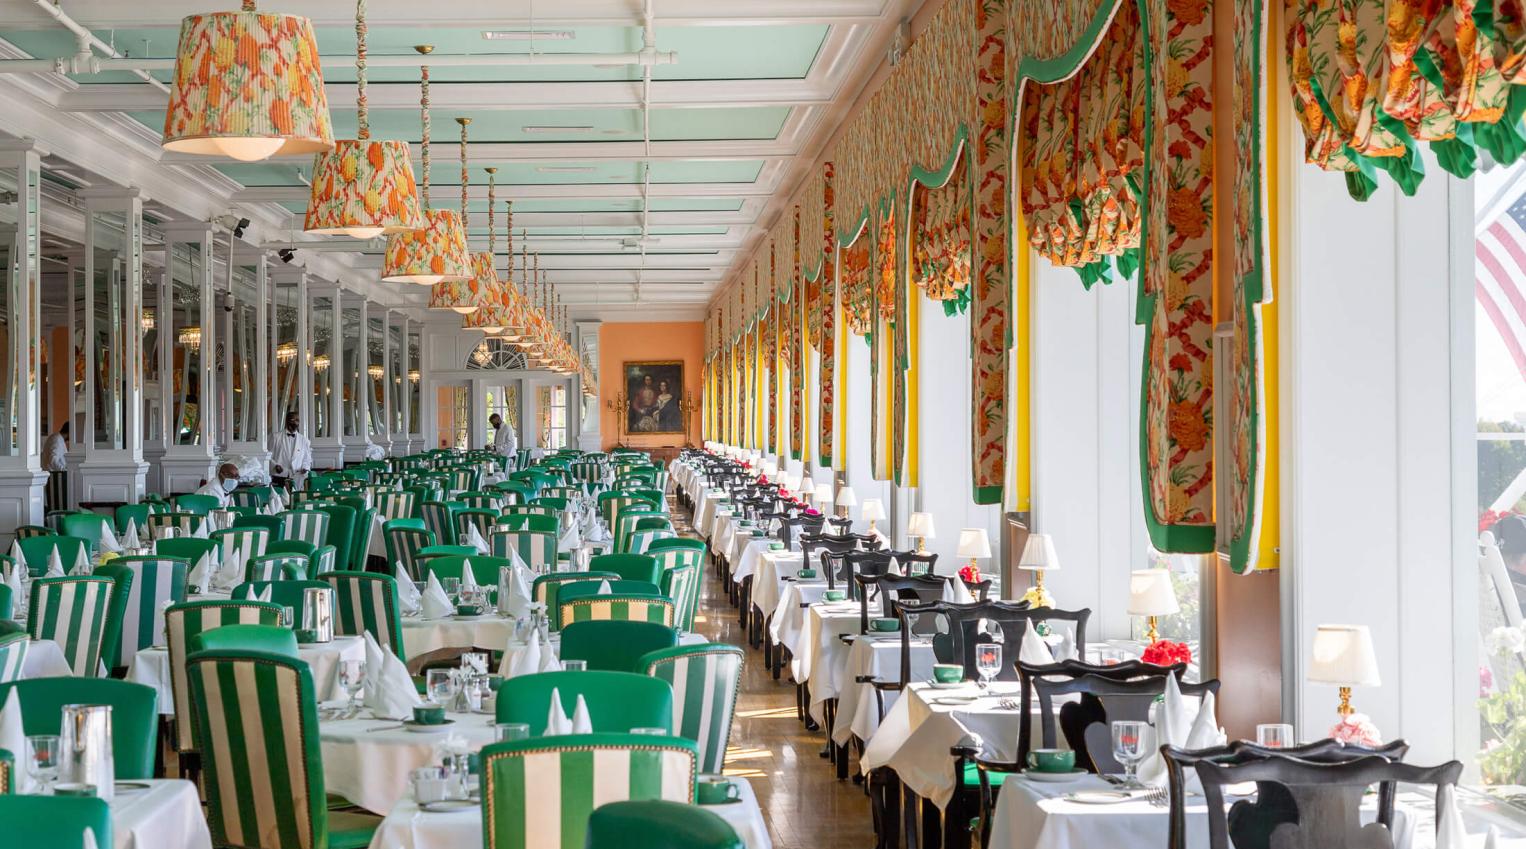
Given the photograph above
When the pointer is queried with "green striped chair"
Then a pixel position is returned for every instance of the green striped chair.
(617, 701)
(86, 526)
(250, 496)
(484, 520)
(6, 602)
(144, 584)
(29, 531)
(258, 717)
(440, 520)
(252, 542)
(277, 567)
(404, 542)
(395, 505)
(536, 548)
(681, 584)
(619, 607)
(488, 500)
(137, 514)
(37, 549)
(282, 593)
(134, 715)
(518, 778)
(367, 602)
(340, 533)
(532, 510)
(187, 619)
(57, 822)
(77, 614)
(484, 568)
(642, 540)
(188, 549)
(625, 525)
(7, 773)
(659, 824)
(706, 680)
(530, 522)
(13, 648)
(611, 503)
(184, 524)
(269, 523)
(309, 526)
(325, 559)
(547, 589)
(464, 480)
(201, 505)
(632, 567)
(615, 646)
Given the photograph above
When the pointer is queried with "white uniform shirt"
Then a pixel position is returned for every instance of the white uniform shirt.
(505, 443)
(291, 454)
(54, 453)
(214, 488)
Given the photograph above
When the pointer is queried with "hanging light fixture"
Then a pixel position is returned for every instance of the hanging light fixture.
(247, 85)
(490, 315)
(148, 322)
(437, 251)
(376, 371)
(414, 376)
(363, 188)
(321, 362)
(189, 337)
(286, 352)
(462, 296)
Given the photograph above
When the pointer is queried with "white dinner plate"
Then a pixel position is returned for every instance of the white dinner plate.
(447, 805)
(1098, 797)
(433, 728)
(954, 700)
(1054, 777)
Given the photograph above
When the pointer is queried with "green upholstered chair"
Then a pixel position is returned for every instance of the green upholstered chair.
(76, 613)
(189, 549)
(367, 602)
(396, 505)
(659, 824)
(137, 514)
(533, 509)
(513, 492)
(186, 620)
(13, 648)
(275, 639)
(341, 531)
(134, 715)
(269, 523)
(641, 539)
(632, 567)
(258, 720)
(325, 559)
(611, 503)
(672, 551)
(483, 519)
(143, 584)
(587, 588)
(282, 593)
(250, 496)
(7, 773)
(201, 505)
(464, 479)
(57, 822)
(625, 524)
(632, 608)
(294, 546)
(38, 549)
(652, 495)
(85, 526)
(29, 531)
(617, 701)
(528, 522)
(536, 548)
(547, 589)
(309, 526)
(277, 567)
(484, 568)
(439, 519)
(486, 500)
(514, 775)
(614, 646)
(706, 680)
(404, 542)
(7, 604)
(253, 542)
(681, 583)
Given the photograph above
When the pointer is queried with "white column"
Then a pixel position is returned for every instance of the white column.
(328, 447)
(356, 426)
(249, 440)
(187, 458)
(588, 436)
(21, 475)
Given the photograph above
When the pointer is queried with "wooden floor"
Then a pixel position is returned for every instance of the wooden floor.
(805, 805)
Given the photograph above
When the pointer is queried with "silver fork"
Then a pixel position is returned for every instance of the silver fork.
(1008, 704)
(1159, 797)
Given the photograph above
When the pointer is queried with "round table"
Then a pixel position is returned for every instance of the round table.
(368, 760)
(488, 631)
(151, 666)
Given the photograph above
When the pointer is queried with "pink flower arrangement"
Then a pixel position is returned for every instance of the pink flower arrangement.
(1357, 730)
(1488, 518)
(970, 574)
(810, 511)
(1166, 653)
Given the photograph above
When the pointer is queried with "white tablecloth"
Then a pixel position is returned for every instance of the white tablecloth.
(748, 562)
(44, 659)
(165, 816)
(704, 509)
(880, 657)
(152, 667)
(406, 827)
(768, 582)
(489, 631)
(370, 768)
(822, 656)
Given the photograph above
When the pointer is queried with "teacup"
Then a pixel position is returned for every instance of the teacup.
(1051, 760)
(806, 574)
(306, 635)
(948, 673)
(834, 595)
(776, 546)
(716, 791)
(73, 789)
(429, 714)
(885, 624)
(467, 610)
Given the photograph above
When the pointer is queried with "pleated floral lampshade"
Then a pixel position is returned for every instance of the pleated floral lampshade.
(464, 296)
(492, 314)
(364, 188)
(247, 85)
(432, 255)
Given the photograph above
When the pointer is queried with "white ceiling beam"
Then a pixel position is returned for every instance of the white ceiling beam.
(510, 153)
(449, 197)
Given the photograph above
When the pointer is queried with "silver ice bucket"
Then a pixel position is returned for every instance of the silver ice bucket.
(86, 756)
(318, 614)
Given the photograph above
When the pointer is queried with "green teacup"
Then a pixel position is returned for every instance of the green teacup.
(494, 682)
(948, 673)
(776, 546)
(884, 624)
(1051, 760)
(833, 595)
(306, 635)
(716, 791)
(72, 789)
(467, 610)
(429, 714)
(806, 574)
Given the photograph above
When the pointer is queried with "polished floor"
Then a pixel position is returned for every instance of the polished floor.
(805, 805)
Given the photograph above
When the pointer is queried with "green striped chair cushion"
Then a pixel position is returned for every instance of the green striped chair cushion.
(705, 680)
(309, 526)
(536, 548)
(277, 567)
(252, 542)
(538, 794)
(403, 545)
(641, 539)
(185, 620)
(670, 557)
(325, 559)
(395, 505)
(547, 588)
(13, 647)
(681, 584)
(76, 613)
(367, 602)
(638, 608)
(437, 518)
(154, 581)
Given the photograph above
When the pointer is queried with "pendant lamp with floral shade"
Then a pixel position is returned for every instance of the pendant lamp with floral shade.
(489, 317)
(363, 188)
(247, 85)
(437, 251)
(463, 296)
(511, 324)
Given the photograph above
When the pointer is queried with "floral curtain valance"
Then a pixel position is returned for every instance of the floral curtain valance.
(940, 233)
(857, 289)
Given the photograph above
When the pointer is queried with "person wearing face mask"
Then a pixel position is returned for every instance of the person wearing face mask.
(224, 482)
(505, 443)
(291, 458)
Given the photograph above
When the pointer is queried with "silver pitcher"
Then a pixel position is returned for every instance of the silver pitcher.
(86, 753)
(318, 613)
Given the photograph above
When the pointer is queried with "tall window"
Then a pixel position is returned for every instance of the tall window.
(463, 417)
(558, 435)
(504, 401)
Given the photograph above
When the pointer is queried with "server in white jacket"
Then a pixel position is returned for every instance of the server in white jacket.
(505, 443)
(291, 457)
(55, 461)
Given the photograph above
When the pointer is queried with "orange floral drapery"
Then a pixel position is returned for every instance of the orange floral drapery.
(854, 277)
(940, 236)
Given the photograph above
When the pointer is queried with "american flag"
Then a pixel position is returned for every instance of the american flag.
(1500, 284)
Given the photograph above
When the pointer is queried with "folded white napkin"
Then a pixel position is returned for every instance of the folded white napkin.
(549, 662)
(277, 503)
(894, 568)
(570, 540)
(201, 575)
(1178, 723)
(201, 530)
(407, 594)
(109, 539)
(16, 554)
(521, 659)
(955, 591)
(130, 537)
(13, 580)
(435, 604)
(87, 840)
(81, 565)
(1033, 650)
(390, 692)
(229, 572)
(604, 587)
(13, 739)
(55, 565)
(1205, 732)
(514, 594)
(556, 718)
(1492, 839)
(1450, 833)
(475, 540)
(468, 577)
(581, 723)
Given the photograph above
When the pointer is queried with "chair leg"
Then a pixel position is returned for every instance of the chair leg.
(956, 821)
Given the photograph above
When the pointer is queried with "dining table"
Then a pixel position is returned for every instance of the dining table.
(367, 760)
(151, 666)
(487, 631)
(158, 814)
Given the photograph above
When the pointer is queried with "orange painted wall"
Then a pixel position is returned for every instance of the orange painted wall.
(621, 342)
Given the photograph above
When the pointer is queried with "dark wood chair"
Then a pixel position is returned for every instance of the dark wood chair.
(792, 529)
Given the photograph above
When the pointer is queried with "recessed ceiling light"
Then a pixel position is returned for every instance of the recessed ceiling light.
(528, 34)
(548, 128)
(564, 169)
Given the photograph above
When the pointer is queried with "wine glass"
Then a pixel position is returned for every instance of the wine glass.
(441, 684)
(987, 662)
(352, 677)
(574, 665)
(1129, 749)
(509, 732)
(46, 751)
(452, 586)
(1274, 735)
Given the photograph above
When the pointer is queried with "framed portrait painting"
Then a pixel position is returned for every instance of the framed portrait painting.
(652, 391)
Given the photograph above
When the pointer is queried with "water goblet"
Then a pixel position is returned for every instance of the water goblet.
(1129, 749)
(441, 686)
(452, 586)
(987, 662)
(575, 665)
(352, 677)
(1278, 735)
(509, 732)
(46, 752)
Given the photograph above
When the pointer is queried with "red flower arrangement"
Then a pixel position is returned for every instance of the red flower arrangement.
(970, 574)
(1488, 518)
(1166, 653)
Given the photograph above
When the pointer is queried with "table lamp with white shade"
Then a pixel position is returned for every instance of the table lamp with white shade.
(822, 496)
(976, 545)
(1152, 596)
(846, 499)
(920, 528)
(807, 487)
(1039, 555)
(872, 510)
(1343, 656)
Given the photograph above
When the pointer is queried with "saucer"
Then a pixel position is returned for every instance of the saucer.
(1054, 777)
(944, 685)
(447, 805)
(722, 802)
(428, 728)
(1099, 797)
